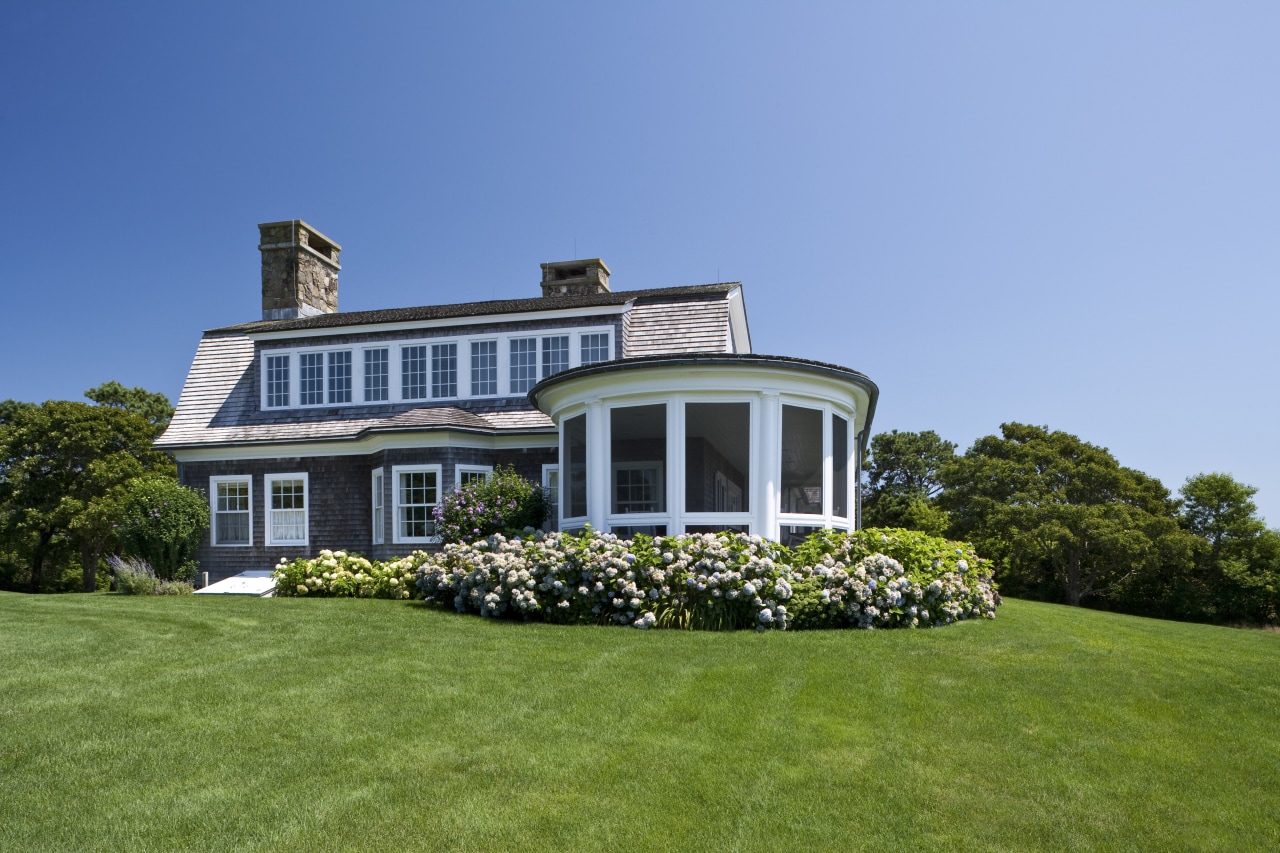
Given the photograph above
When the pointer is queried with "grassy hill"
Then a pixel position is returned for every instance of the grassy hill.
(295, 724)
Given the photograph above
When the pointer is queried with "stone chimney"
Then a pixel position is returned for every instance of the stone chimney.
(299, 271)
(575, 278)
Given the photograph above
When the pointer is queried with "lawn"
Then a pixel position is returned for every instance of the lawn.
(294, 724)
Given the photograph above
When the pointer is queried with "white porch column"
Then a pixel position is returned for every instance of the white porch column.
(597, 464)
(769, 464)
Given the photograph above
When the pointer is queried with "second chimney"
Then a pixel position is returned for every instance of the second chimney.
(575, 278)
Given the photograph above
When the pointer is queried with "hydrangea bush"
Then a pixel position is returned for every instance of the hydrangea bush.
(503, 503)
(724, 581)
(337, 574)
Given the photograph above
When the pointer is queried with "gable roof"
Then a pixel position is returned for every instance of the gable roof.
(481, 309)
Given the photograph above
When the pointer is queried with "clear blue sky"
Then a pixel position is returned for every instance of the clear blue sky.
(1063, 214)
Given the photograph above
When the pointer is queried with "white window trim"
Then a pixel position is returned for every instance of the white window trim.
(459, 470)
(395, 379)
(553, 517)
(396, 471)
(379, 504)
(465, 372)
(267, 480)
(213, 509)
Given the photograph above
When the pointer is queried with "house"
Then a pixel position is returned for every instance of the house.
(639, 411)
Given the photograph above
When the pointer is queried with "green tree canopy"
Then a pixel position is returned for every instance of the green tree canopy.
(154, 407)
(62, 464)
(903, 480)
(1062, 516)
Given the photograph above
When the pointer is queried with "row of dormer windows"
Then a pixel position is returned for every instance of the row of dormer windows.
(434, 369)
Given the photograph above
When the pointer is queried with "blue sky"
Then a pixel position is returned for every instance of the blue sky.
(1064, 214)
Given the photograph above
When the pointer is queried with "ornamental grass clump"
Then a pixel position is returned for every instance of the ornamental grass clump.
(134, 576)
(337, 574)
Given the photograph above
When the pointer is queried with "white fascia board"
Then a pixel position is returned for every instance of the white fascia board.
(738, 321)
(372, 444)
(444, 322)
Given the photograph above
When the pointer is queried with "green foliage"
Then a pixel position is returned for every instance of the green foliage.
(503, 503)
(62, 468)
(161, 521)
(1063, 519)
(337, 574)
(903, 481)
(152, 407)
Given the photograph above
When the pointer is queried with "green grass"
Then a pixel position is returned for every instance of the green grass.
(293, 724)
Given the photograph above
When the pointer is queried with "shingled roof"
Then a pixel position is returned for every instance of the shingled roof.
(481, 309)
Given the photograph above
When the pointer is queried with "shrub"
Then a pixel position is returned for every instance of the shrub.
(504, 503)
(134, 576)
(337, 574)
(161, 522)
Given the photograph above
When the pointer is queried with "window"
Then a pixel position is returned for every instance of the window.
(575, 457)
(286, 509)
(340, 377)
(277, 380)
(594, 348)
(717, 457)
(379, 521)
(555, 355)
(444, 370)
(484, 368)
(464, 474)
(231, 498)
(524, 364)
(310, 379)
(417, 492)
(638, 455)
(413, 373)
(801, 460)
(551, 489)
(375, 375)
(839, 466)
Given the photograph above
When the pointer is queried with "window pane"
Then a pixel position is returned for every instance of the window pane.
(375, 375)
(717, 460)
(595, 348)
(417, 496)
(484, 368)
(413, 373)
(638, 458)
(311, 378)
(340, 377)
(524, 364)
(839, 466)
(575, 445)
(288, 511)
(801, 460)
(444, 370)
(555, 355)
(233, 528)
(277, 380)
(377, 509)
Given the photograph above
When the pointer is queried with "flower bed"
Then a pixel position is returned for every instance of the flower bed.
(867, 579)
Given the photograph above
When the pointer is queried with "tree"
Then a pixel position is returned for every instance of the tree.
(152, 406)
(1062, 516)
(1240, 557)
(162, 521)
(62, 464)
(903, 481)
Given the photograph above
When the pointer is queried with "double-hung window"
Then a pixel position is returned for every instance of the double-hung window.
(376, 373)
(444, 371)
(413, 373)
(311, 379)
(524, 364)
(286, 509)
(231, 499)
(417, 492)
(484, 368)
(594, 348)
(466, 474)
(555, 355)
(340, 376)
(277, 381)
